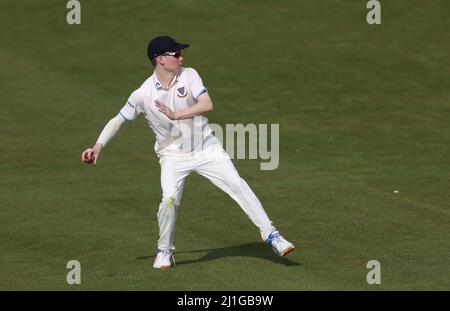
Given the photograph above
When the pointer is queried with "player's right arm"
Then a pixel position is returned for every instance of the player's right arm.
(90, 155)
(129, 112)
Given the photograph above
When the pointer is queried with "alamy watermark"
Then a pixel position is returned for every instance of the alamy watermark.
(73, 16)
(262, 139)
(74, 275)
(373, 17)
(374, 275)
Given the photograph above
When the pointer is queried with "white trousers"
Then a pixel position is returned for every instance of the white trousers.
(215, 164)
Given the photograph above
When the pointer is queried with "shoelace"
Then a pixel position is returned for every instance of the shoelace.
(278, 239)
(168, 253)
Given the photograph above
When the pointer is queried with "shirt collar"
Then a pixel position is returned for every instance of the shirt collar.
(156, 81)
(158, 84)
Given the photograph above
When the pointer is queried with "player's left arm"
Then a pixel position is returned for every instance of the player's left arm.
(203, 105)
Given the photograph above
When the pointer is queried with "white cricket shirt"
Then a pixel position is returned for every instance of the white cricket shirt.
(173, 137)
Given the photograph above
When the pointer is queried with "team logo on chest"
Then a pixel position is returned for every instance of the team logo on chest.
(181, 91)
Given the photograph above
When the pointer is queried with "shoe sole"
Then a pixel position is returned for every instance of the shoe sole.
(163, 267)
(287, 250)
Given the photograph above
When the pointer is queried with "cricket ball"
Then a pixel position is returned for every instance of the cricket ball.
(88, 159)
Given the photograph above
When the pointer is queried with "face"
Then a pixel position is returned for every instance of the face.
(171, 61)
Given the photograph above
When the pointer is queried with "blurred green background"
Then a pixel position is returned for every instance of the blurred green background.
(364, 110)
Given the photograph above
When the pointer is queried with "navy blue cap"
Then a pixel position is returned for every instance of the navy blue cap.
(162, 44)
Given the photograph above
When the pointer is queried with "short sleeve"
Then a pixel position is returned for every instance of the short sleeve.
(134, 106)
(196, 84)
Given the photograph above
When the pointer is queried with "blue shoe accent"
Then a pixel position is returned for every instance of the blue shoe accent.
(272, 237)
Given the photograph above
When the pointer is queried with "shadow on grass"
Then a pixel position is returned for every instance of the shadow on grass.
(256, 250)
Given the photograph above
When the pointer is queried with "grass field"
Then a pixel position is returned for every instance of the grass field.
(363, 111)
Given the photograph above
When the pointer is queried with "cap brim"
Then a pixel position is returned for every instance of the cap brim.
(179, 47)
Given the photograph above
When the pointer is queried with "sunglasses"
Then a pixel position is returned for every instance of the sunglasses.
(174, 54)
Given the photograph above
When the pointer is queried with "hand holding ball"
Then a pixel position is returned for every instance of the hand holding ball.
(88, 156)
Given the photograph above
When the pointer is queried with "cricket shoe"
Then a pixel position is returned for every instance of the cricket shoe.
(164, 259)
(279, 244)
